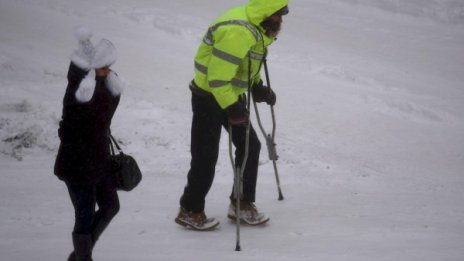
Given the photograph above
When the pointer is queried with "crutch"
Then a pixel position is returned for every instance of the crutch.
(271, 145)
(238, 180)
(238, 170)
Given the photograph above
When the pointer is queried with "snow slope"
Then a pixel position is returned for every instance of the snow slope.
(370, 118)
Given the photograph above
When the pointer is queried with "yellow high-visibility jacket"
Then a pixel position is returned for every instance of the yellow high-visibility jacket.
(232, 40)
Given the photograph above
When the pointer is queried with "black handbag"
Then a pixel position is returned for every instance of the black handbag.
(125, 169)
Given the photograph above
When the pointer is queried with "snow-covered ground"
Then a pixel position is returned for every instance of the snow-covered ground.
(370, 118)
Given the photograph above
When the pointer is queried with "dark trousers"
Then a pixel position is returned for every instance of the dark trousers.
(85, 198)
(208, 120)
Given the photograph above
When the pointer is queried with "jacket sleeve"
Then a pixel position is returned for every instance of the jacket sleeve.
(75, 74)
(231, 47)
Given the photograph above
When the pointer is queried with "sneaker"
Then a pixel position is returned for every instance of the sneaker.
(196, 221)
(248, 213)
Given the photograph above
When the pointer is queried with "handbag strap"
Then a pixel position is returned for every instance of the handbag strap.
(113, 141)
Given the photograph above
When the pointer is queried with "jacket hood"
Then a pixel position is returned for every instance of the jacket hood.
(259, 10)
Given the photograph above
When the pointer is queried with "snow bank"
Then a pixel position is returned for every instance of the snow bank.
(446, 11)
(24, 127)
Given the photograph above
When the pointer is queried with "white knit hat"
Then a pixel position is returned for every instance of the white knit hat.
(105, 54)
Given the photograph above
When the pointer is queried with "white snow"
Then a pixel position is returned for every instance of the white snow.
(370, 123)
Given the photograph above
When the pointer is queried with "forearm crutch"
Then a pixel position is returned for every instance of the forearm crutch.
(238, 170)
(270, 138)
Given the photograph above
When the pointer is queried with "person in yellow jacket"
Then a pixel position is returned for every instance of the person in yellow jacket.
(227, 63)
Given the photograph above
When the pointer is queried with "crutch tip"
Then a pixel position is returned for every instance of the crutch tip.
(238, 248)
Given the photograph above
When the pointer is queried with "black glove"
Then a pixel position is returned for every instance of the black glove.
(263, 93)
(237, 114)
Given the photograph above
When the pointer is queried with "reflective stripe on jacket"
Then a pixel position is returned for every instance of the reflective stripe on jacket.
(233, 40)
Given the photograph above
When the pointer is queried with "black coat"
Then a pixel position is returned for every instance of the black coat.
(84, 154)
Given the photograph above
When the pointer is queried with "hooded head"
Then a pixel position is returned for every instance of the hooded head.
(260, 10)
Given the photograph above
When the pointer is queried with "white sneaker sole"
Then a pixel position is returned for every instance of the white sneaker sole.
(257, 222)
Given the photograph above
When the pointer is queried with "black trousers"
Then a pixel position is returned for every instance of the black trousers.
(208, 120)
(85, 198)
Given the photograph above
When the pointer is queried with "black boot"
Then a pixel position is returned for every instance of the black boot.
(72, 256)
(98, 229)
(82, 247)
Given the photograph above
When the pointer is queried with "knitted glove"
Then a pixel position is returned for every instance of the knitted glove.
(83, 56)
(105, 54)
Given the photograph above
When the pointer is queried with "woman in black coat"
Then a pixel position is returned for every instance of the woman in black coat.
(83, 160)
